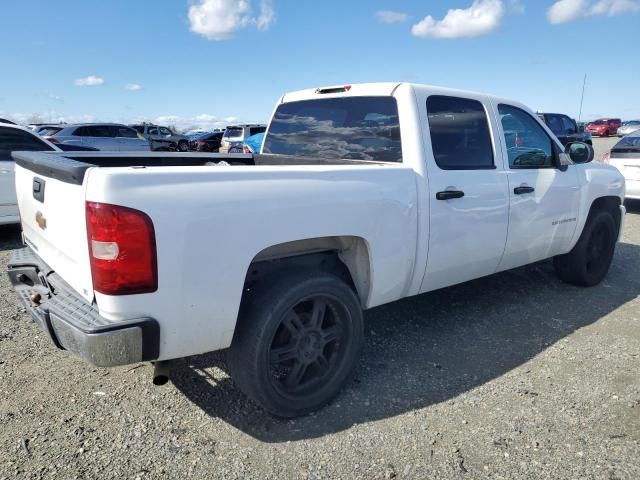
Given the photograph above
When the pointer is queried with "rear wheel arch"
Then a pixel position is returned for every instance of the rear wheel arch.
(347, 257)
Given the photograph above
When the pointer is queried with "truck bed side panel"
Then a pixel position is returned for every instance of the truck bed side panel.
(211, 222)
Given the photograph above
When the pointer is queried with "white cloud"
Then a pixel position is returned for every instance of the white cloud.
(220, 19)
(566, 10)
(205, 117)
(614, 7)
(388, 16)
(563, 11)
(133, 87)
(481, 18)
(90, 81)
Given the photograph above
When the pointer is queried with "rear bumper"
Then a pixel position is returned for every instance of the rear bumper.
(75, 325)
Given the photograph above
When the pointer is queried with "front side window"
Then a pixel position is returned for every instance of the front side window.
(165, 131)
(12, 139)
(350, 128)
(460, 136)
(528, 146)
(152, 131)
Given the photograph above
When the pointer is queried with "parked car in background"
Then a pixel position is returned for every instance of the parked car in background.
(628, 127)
(253, 144)
(48, 130)
(237, 134)
(625, 156)
(102, 136)
(4, 120)
(603, 127)
(163, 135)
(13, 138)
(565, 128)
(206, 142)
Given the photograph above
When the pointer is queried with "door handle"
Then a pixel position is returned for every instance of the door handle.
(449, 194)
(523, 189)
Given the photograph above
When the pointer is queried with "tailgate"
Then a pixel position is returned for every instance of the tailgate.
(52, 211)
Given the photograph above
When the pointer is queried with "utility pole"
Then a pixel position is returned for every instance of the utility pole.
(584, 83)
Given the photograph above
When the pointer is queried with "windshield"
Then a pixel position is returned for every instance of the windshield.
(357, 128)
(233, 132)
(631, 122)
(600, 122)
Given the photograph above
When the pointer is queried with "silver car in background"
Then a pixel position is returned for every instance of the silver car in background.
(111, 137)
(628, 127)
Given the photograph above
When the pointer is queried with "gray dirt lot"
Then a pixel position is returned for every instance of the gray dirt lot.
(514, 376)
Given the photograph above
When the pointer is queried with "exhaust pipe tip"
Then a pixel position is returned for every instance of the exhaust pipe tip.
(160, 373)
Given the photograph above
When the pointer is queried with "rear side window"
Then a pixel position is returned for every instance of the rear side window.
(152, 131)
(126, 132)
(460, 136)
(255, 130)
(12, 139)
(352, 128)
(94, 131)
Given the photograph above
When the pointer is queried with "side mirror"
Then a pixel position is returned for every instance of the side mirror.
(579, 152)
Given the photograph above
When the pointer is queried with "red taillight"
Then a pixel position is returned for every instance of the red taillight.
(122, 250)
(53, 140)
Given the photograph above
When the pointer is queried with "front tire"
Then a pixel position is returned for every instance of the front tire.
(183, 146)
(589, 261)
(297, 342)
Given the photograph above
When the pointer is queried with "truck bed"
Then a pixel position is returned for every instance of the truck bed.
(70, 167)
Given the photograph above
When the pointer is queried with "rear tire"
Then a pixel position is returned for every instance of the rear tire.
(589, 261)
(183, 146)
(297, 342)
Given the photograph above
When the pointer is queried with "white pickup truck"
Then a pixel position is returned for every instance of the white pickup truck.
(362, 195)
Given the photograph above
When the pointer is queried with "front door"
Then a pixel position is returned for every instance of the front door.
(544, 198)
(469, 196)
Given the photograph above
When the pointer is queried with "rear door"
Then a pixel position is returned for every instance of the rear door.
(13, 139)
(543, 198)
(469, 199)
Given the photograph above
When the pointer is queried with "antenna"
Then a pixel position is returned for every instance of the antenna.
(584, 83)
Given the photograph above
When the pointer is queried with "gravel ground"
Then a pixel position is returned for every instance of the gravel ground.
(514, 376)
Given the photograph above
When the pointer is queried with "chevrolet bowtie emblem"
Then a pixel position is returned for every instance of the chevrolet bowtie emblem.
(41, 221)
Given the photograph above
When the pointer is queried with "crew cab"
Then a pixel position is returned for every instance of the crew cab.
(361, 195)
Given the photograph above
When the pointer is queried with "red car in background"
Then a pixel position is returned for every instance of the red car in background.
(603, 127)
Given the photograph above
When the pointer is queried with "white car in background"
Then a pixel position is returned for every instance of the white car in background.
(12, 138)
(625, 156)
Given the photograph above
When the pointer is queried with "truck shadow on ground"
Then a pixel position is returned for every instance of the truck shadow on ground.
(431, 348)
(10, 237)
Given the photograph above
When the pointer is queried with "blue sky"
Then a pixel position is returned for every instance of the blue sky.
(208, 61)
